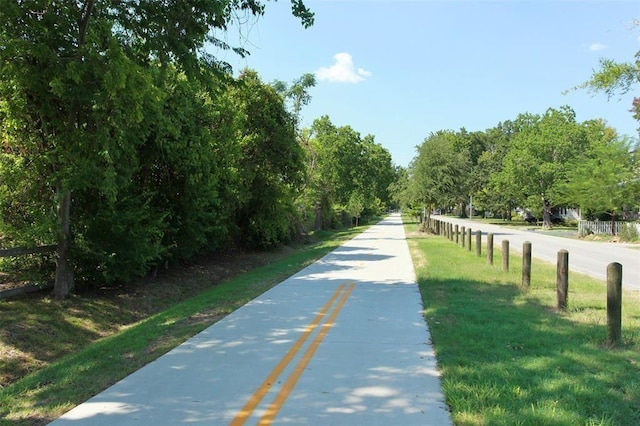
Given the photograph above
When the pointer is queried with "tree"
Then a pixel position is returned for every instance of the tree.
(470, 146)
(434, 174)
(341, 164)
(492, 193)
(602, 180)
(271, 161)
(616, 77)
(398, 189)
(60, 62)
(355, 206)
(536, 162)
(297, 93)
(377, 174)
(619, 78)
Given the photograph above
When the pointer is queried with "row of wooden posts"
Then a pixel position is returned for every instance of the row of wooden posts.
(463, 236)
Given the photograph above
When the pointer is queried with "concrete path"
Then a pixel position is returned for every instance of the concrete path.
(590, 258)
(342, 342)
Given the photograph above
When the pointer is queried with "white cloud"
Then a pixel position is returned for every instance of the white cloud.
(342, 71)
(597, 46)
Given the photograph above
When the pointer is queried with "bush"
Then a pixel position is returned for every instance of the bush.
(629, 232)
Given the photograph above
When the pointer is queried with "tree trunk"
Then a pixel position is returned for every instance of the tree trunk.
(318, 216)
(546, 214)
(613, 223)
(64, 274)
(426, 224)
(463, 210)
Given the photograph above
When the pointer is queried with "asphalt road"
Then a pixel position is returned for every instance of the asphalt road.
(342, 342)
(587, 257)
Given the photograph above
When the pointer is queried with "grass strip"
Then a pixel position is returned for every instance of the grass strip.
(508, 357)
(53, 390)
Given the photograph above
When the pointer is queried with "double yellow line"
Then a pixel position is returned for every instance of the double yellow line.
(288, 386)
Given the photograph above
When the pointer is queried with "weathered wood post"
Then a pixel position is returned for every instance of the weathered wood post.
(526, 264)
(437, 227)
(478, 243)
(469, 239)
(490, 248)
(505, 255)
(614, 304)
(463, 236)
(451, 231)
(456, 231)
(562, 279)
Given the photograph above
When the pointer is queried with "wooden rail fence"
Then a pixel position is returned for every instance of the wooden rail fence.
(24, 251)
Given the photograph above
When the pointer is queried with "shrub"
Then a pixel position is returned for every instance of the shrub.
(629, 232)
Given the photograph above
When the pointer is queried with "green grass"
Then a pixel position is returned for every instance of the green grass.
(509, 358)
(78, 347)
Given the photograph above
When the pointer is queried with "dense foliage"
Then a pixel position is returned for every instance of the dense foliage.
(535, 162)
(349, 175)
(126, 144)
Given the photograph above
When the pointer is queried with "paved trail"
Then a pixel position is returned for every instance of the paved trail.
(586, 257)
(343, 342)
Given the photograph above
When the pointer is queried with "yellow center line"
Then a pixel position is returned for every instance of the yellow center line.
(282, 396)
(255, 399)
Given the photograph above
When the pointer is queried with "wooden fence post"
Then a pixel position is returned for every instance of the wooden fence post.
(478, 243)
(469, 239)
(463, 235)
(456, 230)
(562, 279)
(614, 304)
(490, 248)
(505, 255)
(526, 264)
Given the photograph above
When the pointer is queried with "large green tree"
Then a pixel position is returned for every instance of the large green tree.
(70, 70)
(617, 78)
(602, 180)
(437, 172)
(345, 171)
(270, 162)
(537, 160)
(495, 195)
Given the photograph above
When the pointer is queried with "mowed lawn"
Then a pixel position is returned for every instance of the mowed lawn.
(508, 357)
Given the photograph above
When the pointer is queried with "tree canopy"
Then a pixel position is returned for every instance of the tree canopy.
(535, 162)
(85, 90)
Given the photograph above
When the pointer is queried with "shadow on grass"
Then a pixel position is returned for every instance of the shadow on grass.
(508, 359)
(208, 292)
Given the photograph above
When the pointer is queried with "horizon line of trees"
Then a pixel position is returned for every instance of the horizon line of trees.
(128, 147)
(536, 162)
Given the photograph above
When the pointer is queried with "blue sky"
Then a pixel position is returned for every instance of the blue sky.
(400, 70)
